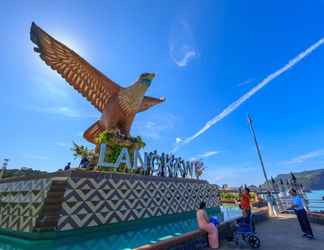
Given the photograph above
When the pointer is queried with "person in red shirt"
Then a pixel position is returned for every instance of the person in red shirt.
(245, 203)
(246, 209)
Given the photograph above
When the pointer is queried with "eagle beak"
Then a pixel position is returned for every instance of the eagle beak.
(150, 76)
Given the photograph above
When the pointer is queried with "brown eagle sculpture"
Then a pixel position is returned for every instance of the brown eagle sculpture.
(118, 105)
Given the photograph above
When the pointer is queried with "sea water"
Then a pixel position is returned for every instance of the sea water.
(128, 239)
(316, 202)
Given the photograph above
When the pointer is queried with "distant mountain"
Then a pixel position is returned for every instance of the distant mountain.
(22, 172)
(313, 179)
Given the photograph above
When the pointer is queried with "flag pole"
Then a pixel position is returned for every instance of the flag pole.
(258, 150)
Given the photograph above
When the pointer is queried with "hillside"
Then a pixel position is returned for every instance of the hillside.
(22, 172)
(313, 179)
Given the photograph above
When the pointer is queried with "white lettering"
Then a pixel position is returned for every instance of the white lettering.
(153, 164)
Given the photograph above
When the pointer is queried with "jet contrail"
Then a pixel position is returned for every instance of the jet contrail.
(232, 107)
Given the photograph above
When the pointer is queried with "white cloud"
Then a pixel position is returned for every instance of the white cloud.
(241, 84)
(234, 175)
(49, 83)
(181, 44)
(35, 157)
(63, 144)
(178, 140)
(187, 56)
(80, 134)
(304, 157)
(205, 155)
(209, 153)
(150, 125)
(63, 111)
(154, 128)
(232, 107)
(56, 93)
(53, 88)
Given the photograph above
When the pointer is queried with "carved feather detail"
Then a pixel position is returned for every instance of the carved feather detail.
(87, 80)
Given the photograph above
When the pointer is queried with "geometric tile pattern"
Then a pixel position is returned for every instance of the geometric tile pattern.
(91, 201)
(20, 203)
(97, 199)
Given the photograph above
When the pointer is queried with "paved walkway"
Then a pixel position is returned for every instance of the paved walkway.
(284, 234)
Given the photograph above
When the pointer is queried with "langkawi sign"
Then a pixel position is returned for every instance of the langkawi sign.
(154, 164)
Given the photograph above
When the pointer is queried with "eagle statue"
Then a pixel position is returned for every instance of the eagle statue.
(118, 105)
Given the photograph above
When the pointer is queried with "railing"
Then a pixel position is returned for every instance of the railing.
(283, 203)
(313, 205)
(316, 205)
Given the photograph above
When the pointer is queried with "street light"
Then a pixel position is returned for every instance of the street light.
(4, 167)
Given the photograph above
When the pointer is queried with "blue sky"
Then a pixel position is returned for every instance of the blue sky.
(206, 54)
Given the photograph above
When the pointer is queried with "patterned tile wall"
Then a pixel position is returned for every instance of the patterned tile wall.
(20, 203)
(105, 199)
(91, 200)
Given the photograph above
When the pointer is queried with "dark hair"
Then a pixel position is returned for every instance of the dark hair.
(202, 205)
(247, 190)
(293, 190)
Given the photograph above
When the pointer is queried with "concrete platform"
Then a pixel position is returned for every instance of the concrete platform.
(284, 233)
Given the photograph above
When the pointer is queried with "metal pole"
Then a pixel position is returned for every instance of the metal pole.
(4, 166)
(258, 150)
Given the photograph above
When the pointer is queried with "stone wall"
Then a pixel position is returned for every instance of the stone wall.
(21, 202)
(317, 218)
(94, 199)
(77, 200)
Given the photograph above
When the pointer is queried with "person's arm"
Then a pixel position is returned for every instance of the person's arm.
(294, 205)
(240, 203)
(206, 216)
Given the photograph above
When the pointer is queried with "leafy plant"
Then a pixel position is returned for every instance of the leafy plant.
(80, 151)
(235, 196)
(115, 143)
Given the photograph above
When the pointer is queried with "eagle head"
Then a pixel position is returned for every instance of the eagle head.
(146, 79)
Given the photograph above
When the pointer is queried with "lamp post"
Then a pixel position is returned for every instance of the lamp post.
(258, 151)
(4, 167)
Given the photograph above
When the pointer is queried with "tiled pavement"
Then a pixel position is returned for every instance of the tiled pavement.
(283, 233)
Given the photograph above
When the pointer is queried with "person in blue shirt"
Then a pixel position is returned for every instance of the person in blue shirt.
(301, 213)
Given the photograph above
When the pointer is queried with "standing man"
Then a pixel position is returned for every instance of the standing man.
(272, 205)
(301, 213)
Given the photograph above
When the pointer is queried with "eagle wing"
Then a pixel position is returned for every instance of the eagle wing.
(87, 80)
(149, 102)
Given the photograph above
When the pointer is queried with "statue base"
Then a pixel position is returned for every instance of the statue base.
(40, 206)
